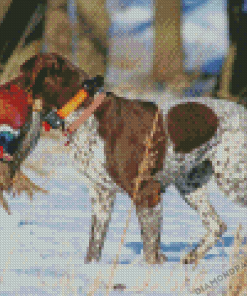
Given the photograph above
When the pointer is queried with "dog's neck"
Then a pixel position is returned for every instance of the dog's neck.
(124, 126)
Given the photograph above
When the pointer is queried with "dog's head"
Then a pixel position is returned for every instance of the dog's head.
(52, 78)
(52, 81)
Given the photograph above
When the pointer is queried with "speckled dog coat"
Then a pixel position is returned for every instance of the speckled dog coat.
(202, 138)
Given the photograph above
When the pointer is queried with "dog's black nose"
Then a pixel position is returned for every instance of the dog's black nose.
(99, 81)
(92, 85)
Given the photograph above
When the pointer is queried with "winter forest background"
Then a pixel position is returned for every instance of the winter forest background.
(204, 32)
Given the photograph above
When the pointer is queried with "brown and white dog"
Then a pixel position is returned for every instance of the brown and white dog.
(195, 140)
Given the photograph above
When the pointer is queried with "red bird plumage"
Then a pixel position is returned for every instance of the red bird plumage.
(14, 105)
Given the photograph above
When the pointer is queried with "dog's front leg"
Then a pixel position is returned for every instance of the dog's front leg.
(102, 204)
(150, 220)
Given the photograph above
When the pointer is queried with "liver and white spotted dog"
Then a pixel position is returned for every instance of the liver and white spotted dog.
(195, 140)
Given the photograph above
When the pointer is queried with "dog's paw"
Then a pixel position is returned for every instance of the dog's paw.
(90, 259)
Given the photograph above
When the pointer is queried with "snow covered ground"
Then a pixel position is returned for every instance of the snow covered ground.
(43, 244)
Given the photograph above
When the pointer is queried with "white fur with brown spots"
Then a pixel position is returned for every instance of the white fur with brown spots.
(222, 157)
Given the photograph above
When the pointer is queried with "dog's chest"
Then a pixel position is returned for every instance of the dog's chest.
(88, 152)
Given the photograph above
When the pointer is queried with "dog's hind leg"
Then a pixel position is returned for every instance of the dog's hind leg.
(150, 220)
(102, 205)
(198, 200)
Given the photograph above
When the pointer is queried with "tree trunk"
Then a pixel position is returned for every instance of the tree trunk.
(16, 22)
(168, 48)
(239, 78)
(93, 26)
(72, 14)
(232, 82)
(224, 80)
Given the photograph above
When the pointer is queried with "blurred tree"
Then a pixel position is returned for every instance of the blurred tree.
(72, 14)
(22, 18)
(90, 22)
(238, 31)
(232, 82)
(168, 52)
(91, 27)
